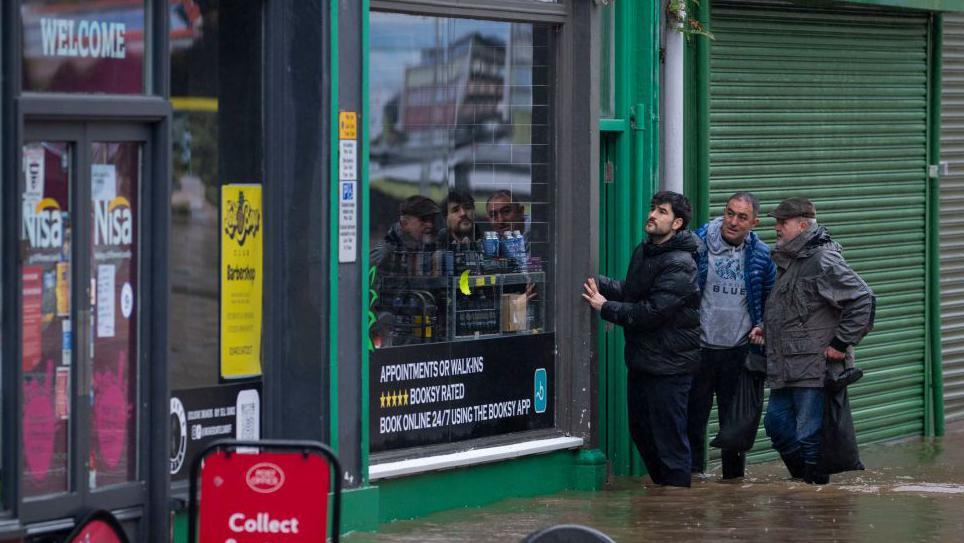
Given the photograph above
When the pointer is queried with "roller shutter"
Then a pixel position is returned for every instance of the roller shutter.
(952, 217)
(832, 104)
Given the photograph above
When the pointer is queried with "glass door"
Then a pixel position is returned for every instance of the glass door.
(80, 254)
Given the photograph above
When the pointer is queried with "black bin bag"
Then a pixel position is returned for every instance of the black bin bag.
(746, 408)
(838, 452)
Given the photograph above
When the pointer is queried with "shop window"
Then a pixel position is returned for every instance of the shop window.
(216, 57)
(460, 229)
(46, 328)
(71, 46)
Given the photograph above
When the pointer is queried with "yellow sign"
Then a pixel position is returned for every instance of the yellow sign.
(241, 280)
(347, 125)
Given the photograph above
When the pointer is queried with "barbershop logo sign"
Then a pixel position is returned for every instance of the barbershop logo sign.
(257, 498)
(83, 38)
(242, 219)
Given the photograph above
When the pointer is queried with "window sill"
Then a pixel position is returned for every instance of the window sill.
(486, 455)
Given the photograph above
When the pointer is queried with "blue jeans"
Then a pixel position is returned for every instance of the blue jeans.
(794, 420)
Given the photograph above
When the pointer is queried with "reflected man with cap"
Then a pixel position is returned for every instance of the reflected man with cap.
(414, 231)
(818, 310)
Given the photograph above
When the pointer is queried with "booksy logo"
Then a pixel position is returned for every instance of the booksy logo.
(265, 477)
(113, 224)
(241, 220)
(43, 224)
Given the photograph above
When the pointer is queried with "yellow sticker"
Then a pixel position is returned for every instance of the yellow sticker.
(347, 125)
(241, 281)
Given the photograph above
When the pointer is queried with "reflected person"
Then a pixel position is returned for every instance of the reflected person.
(460, 227)
(414, 231)
(505, 215)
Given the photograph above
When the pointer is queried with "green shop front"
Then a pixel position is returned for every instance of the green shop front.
(838, 102)
(479, 221)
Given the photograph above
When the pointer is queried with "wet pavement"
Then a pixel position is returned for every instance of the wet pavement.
(912, 490)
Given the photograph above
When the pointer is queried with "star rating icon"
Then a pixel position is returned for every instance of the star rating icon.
(393, 399)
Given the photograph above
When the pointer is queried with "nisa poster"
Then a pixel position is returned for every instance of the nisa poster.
(241, 280)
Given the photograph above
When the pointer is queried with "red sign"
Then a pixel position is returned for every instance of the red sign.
(264, 498)
(32, 307)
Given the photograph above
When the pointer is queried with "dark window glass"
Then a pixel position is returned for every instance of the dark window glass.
(71, 46)
(115, 184)
(46, 330)
(216, 59)
(459, 173)
(460, 229)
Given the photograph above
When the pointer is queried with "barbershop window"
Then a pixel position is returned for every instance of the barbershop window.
(461, 229)
(214, 353)
(89, 47)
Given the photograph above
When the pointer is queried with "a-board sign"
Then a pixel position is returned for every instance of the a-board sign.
(277, 497)
(98, 527)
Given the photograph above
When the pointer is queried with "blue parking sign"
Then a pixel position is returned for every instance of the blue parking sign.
(348, 191)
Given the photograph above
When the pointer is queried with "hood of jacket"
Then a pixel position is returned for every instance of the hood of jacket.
(804, 245)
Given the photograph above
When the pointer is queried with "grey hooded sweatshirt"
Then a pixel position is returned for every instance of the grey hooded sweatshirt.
(817, 301)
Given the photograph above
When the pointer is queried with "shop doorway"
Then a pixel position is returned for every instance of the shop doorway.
(613, 261)
(84, 382)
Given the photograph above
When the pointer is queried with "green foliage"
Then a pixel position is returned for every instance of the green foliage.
(680, 11)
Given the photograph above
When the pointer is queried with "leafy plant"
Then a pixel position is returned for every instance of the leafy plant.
(679, 11)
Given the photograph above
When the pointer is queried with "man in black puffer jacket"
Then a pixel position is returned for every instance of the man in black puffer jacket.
(658, 307)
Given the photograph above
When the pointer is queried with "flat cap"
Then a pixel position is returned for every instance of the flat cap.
(418, 206)
(794, 207)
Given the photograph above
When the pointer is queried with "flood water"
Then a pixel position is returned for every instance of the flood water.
(912, 490)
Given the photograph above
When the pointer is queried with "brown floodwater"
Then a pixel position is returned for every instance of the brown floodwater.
(912, 490)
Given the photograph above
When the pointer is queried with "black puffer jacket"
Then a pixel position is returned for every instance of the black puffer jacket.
(658, 306)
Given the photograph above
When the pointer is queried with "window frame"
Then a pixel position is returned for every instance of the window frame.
(576, 372)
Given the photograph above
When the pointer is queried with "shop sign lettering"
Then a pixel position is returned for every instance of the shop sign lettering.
(83, 38)
(113, 224)
(42, 224)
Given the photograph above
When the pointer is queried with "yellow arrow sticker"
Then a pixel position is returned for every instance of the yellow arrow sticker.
(464, 283)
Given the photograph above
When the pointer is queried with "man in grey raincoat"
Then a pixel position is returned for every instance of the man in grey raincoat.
(818, 310)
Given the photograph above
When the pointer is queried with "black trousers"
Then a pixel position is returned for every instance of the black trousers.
(719, 372)
(657, 424)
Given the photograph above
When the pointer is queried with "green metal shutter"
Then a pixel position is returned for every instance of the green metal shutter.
(952, 217)
(831, 104)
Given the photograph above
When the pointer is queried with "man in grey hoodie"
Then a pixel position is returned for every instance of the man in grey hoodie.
(818, 310)
(735, 275)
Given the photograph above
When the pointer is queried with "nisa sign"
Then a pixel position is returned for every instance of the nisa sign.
(43, 224)
(113, 222)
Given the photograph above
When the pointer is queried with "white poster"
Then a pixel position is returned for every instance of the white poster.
(33, 173)
(105, 300)
(103, 181)
(347, 160)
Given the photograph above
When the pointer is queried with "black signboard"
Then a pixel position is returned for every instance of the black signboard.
(445, 392)
(200, 416)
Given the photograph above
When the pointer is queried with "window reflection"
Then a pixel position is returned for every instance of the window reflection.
(459, 169)
(216, 128)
